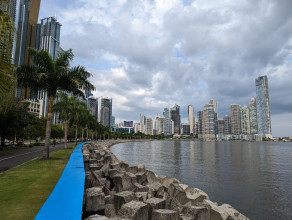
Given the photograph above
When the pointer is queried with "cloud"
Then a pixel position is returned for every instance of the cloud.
(151, 54)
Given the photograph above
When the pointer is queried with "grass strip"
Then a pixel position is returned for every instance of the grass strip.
(24, 189)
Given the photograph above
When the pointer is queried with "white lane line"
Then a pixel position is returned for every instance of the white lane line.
(20, 155)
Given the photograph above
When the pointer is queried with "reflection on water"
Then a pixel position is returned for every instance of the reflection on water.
(254, 177)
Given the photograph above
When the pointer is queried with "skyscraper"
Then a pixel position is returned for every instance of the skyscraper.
(235, 119)
(221, 126)
(48, 36)
(245, 124)
(227, 128)
(200, 122)
(105, 111)
(149, 126)
(191, 118)
(210, 123)
(142, 123)
(263, 105)
(25, 15)
(253, 116)
(92, 105)
(166, 114)
(175, 116)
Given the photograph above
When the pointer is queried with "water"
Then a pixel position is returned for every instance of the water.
(253, 177)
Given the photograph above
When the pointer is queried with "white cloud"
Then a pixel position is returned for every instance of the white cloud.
(150, 54)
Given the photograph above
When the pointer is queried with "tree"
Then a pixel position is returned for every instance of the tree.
(52, 75)
(64, 108)
(7, 79)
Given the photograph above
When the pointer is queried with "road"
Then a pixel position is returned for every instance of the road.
(13, 158)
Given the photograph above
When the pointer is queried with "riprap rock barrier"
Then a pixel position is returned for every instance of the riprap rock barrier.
(115, 190)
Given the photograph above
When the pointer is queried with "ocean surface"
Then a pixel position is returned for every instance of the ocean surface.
(254, 177)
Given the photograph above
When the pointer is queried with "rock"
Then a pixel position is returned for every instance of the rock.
(94, 166)
(134, 210)
(156, 186)
(141, 196)
(94, 199)
(140, 188)
(141, 177)
(167, 181)
(173, 204)
(177, 192)
(141, 168)
(112, 173)
(109, 199)
(124, 165)
(122, 198)
(109, 210)
(96, 217)
(195, 196)
(165, 214)
(156, 203)
(85, 157)
(198, 213)
(150, 176)
(118, 182)
(223, 212)
(132, 169)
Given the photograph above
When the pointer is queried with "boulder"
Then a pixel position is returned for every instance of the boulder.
(132, 169)
(122, 198)
(167, 181)
(95, 200)
(165, 214)
(139, 188)
(124, 165)
(134, 210)
(196, 212)
(109, 199)
(150, 176)
(109, 210)
(156, 203)
(97, 217)
(173, 204)
(177, 192)
(141, 196)
(112, 172)
(141, 177)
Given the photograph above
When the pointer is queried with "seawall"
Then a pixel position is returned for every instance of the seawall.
(115, 190)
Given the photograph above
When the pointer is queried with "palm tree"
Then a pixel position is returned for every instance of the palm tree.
(64, 108)
(52, 75)
(6, 40)
(78, 116)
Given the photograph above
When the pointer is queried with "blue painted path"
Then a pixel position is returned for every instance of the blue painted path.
(65, 202)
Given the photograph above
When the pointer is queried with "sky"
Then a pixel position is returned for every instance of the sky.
(151, 54)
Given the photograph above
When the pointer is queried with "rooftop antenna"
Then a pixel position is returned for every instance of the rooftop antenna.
(55, 15)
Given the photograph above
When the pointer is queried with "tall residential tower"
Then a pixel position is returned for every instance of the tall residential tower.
(263, 105)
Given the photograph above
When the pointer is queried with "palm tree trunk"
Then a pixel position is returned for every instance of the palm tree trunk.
(66, 134)
(46, 152)
(76, 135)
(87, 134)
(82, 137)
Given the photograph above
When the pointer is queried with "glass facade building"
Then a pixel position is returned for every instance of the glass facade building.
(263, 105)
(105, 111)
(235, 119)
(253, 116)
(175, 116)
(245, 124)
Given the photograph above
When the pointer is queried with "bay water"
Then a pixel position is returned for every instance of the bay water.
(253, 177)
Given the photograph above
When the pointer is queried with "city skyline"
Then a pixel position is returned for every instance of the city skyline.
(192, 51)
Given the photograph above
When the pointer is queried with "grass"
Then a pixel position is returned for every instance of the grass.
(24, 189)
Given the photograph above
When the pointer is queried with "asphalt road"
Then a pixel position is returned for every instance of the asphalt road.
(13, 158)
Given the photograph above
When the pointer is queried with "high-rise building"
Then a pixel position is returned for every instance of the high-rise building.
(167, 119)
(200, 115)
(210, 124)
(149, 126)
(185, 129)
(227, 126)
(48, 36)
(113, 121)
(105, 111)
(245, 125)
(191, 118)
(92, 105)
(142, 123)
(263, 105)
(220, 126)
(235, 119)
(161, 125)
(175, 116)
(25, 15)
(253, 116)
